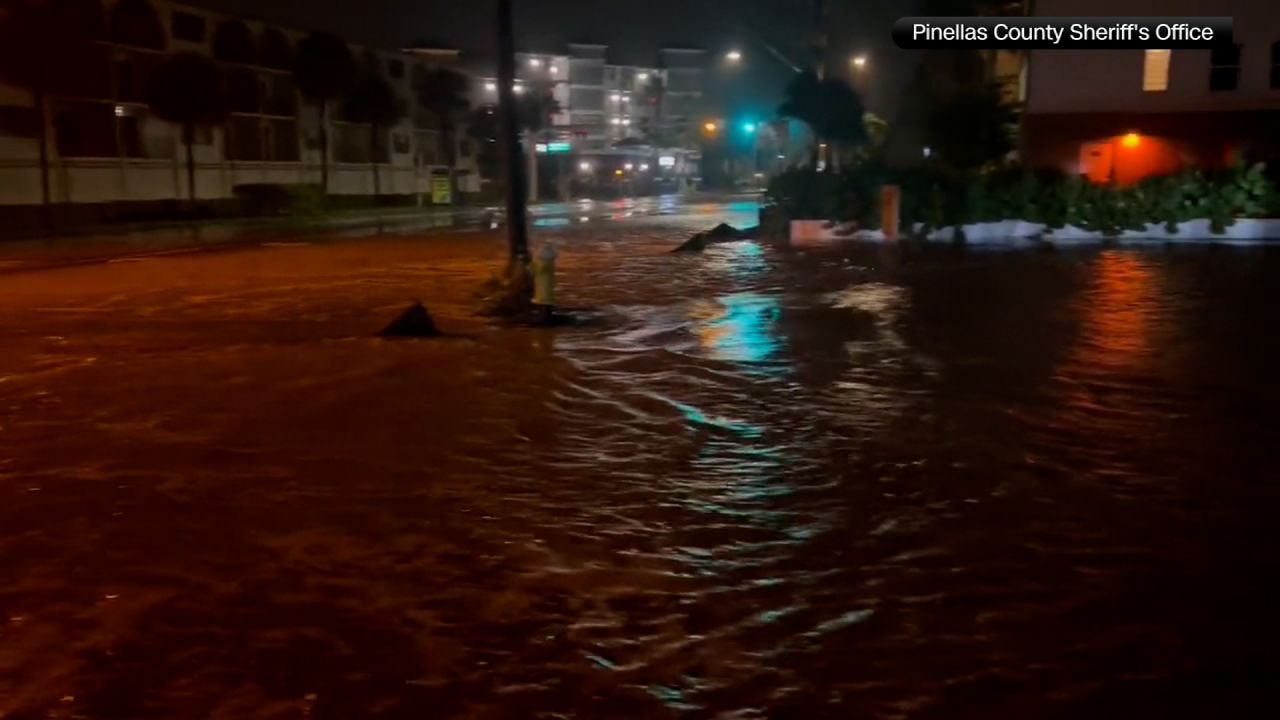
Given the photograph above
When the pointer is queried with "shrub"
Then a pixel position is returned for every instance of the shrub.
(936, 196)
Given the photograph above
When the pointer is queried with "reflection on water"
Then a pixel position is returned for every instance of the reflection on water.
(739, 327)
(882, 482)
(1117, 310)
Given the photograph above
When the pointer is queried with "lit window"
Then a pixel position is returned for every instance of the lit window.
(1155, 70)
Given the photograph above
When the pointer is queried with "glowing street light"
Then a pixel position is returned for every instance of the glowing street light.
(518, 89)
(859, 61)
(535, 63)
(643, 77)
(710, 126)
(491, 86)
(629, 167)
(554, 70)
(584, 167)
(748, 127)
(733, 56)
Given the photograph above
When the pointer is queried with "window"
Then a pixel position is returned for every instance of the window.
(188, 27)
(136, 24)
(275, 50)
(85, 130)
(395, 69)
(282, 140)
(244, 139)
(1275, 66)
(18, 122)
(127, 86)
(1224, 73)
(278, 95)
(233, 42)
(242, 90)
(1155, 70)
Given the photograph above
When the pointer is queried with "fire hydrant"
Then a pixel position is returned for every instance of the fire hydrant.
(544, 282)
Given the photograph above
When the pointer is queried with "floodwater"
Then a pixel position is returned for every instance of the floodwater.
(857, 482)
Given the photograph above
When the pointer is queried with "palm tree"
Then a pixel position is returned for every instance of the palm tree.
(323, 71)
(483, 127)
(187, 90)
(375, 102)
(973, 128)
(444, 93)
(831, 109)
(535, 108)
(533, 113)
(36, 41)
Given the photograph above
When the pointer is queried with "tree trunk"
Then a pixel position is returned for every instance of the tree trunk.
(517, 232)
(324, 146)
(531, 158)
(450, 155)
(43, 138)
(373, 161)
(188, 139)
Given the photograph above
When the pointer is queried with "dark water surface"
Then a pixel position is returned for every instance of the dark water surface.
(882, 482)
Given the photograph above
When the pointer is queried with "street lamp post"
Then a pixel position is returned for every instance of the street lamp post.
(517, 215)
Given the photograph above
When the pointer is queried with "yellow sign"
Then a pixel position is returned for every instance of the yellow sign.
(441, 193)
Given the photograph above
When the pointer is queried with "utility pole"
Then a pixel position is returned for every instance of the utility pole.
(517, 214)
(820, 37)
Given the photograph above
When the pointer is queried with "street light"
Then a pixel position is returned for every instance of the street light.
(643, 77)
(535, 62)
(859, 61)
(748, 127)
(491, 86)
(710, 126)
(584, 167)
(733, 56)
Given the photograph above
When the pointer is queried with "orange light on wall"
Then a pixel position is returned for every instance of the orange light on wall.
(1131, 140)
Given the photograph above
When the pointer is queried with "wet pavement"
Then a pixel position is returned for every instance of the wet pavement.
(862, 481)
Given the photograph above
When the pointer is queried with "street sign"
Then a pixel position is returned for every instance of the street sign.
(555, 147)
(441, 192)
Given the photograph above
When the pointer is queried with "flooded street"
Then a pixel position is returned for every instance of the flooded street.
(858, 482)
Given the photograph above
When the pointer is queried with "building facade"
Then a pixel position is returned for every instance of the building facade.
(105, 146)
(1120, 115)
(602, 103)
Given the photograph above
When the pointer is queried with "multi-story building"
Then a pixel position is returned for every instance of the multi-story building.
(1123, 114)
(105, 146)
(602, 103)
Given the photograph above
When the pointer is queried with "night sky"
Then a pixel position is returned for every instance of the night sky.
(633, 29)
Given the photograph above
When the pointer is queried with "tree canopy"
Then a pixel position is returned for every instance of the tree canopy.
(831, 108)
(187, 90)
(443, 92)
(374, 101)
(323, 68)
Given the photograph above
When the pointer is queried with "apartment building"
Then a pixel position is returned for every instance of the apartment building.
(104, 145)
(1120, 115)
(602, 103)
